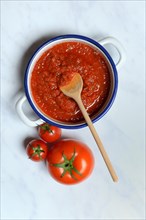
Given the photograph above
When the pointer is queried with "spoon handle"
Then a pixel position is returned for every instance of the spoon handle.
(98, 141)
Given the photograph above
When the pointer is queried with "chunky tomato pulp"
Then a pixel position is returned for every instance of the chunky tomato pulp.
(56, 67)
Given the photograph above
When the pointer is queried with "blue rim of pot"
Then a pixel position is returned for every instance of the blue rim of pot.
(80, 37)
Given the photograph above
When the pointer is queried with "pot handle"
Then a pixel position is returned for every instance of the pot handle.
(121, 51)
(23, 117)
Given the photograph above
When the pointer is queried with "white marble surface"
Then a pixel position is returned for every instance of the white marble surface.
(28, 192)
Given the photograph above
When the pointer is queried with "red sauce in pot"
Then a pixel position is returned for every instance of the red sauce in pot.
(56, 67)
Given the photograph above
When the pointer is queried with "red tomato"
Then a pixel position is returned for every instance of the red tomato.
(49, 133)
(37, 150)
(70, 161)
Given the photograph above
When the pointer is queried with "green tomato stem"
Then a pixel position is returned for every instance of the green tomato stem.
(46, 127)
(37, 151)
(68, 166)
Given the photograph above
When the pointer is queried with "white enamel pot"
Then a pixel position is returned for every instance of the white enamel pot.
(67, 38)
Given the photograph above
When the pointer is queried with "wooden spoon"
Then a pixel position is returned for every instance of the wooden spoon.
(73, 90)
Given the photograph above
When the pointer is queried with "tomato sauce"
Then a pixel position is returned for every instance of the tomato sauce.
(56, 67)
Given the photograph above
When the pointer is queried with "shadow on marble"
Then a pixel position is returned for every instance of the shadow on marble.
(26, 141)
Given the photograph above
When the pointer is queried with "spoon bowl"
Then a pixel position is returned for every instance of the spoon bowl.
(74, 88)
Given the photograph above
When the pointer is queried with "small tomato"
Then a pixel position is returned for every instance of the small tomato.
(37, 150)
(49, 133)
